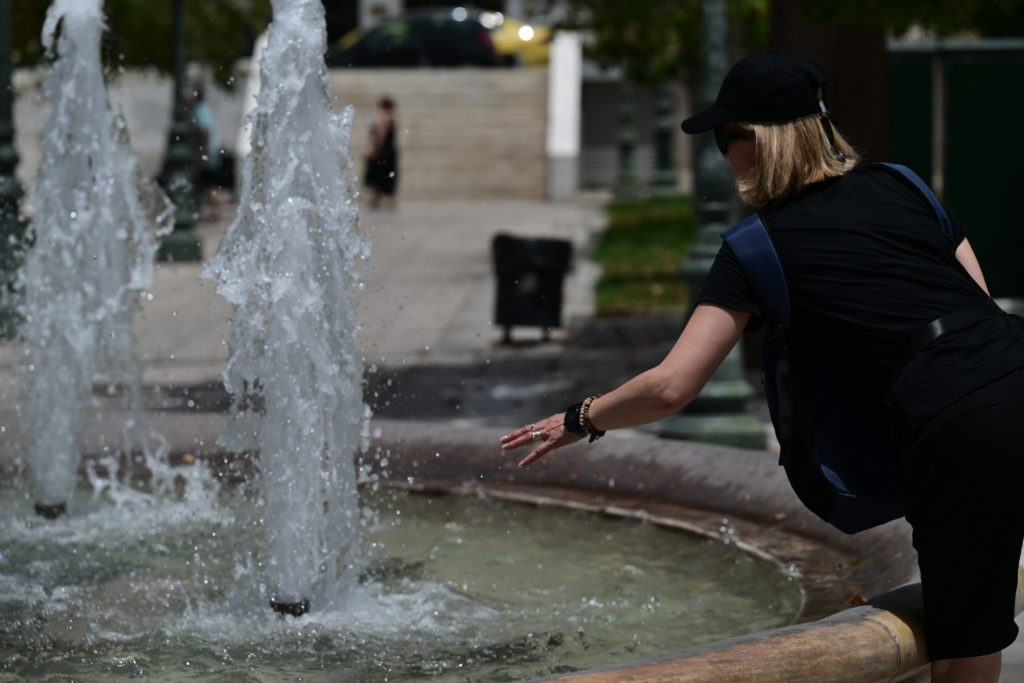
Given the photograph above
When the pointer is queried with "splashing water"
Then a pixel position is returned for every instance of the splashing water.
(286, 264)
(95, 233)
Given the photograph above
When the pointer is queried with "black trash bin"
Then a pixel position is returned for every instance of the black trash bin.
(530, 272)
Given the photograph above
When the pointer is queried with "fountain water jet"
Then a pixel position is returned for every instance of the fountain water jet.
(286, 264)
(95, 233)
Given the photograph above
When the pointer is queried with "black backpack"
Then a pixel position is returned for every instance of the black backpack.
(837, 448)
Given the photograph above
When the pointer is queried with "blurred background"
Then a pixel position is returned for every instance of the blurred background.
(540, 99)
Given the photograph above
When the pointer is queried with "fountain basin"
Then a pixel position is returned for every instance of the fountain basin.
(735, 495)
(719, 492)
(467, 587)
(739, 497)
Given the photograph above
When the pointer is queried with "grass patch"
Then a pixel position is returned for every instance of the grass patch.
(640, 253)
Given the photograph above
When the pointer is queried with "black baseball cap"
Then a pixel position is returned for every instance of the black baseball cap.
(770, 86)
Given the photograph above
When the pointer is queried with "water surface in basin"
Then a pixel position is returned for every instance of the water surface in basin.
(458, 589)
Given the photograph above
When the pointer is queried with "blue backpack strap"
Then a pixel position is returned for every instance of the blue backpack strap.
(749, 240)
(940, 211)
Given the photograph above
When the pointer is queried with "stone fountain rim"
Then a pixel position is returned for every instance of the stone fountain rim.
(730, 494)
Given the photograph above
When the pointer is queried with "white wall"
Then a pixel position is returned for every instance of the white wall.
(564, 113)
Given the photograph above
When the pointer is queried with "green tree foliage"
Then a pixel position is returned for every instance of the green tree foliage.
(944, 17)
(657, 40)
(139, 32)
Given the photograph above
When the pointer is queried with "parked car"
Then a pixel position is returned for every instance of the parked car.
(518, 43)
(430, 37)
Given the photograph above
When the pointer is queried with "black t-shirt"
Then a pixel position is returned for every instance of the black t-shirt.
(868, 267)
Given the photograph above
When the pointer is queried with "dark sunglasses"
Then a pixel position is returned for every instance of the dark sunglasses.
(724, 137)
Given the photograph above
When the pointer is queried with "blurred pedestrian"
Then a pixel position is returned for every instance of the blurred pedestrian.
(879, 298)
(382, 159)
(208, 149)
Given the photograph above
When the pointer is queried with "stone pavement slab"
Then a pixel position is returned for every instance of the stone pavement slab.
(429, 294)
(428, 291)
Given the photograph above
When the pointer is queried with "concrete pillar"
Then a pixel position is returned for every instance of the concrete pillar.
(565, 78)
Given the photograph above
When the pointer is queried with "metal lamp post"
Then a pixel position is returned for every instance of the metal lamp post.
(11, 227)
(664, 134)
(182, 244)
(625, 181)
(719, 414)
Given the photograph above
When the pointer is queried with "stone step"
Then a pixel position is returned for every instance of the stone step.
(462, 132)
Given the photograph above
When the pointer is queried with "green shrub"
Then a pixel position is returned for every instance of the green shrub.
(640, 254)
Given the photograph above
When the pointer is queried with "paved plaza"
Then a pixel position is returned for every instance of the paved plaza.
(427, 294)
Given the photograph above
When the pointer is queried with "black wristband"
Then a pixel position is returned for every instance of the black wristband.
(572, 420)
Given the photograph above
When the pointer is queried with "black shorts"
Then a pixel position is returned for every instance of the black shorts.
(968, 520)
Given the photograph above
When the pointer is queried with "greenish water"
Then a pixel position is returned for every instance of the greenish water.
(456, 589)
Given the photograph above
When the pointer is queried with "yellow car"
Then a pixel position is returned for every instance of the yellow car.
(444, 36)
(516, 42)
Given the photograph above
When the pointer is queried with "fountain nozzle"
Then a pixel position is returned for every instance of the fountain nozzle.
(296, 609)
(52, 511)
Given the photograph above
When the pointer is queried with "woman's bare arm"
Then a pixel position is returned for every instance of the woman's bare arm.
(709, 335)
(965, 255)
(665, 389)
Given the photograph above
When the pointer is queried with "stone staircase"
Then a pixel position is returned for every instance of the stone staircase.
(462, 133)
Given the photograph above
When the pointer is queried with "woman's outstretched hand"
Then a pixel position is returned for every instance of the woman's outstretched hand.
(549, 434)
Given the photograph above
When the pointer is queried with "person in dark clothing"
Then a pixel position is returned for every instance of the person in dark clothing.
(382, 159)
(867, 268)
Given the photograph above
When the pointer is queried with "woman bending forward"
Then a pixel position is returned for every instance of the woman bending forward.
(867, 268)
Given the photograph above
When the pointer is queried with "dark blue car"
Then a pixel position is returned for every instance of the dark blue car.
(428, 37)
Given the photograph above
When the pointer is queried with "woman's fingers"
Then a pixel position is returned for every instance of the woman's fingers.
(514, 436)
(563, 438)
(546, 436)
(518, 438)
(536, 454)
(532, 433)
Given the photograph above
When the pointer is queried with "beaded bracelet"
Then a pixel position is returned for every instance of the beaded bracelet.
(585, 422)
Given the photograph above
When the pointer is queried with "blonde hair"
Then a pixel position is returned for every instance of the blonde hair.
(790, 156)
